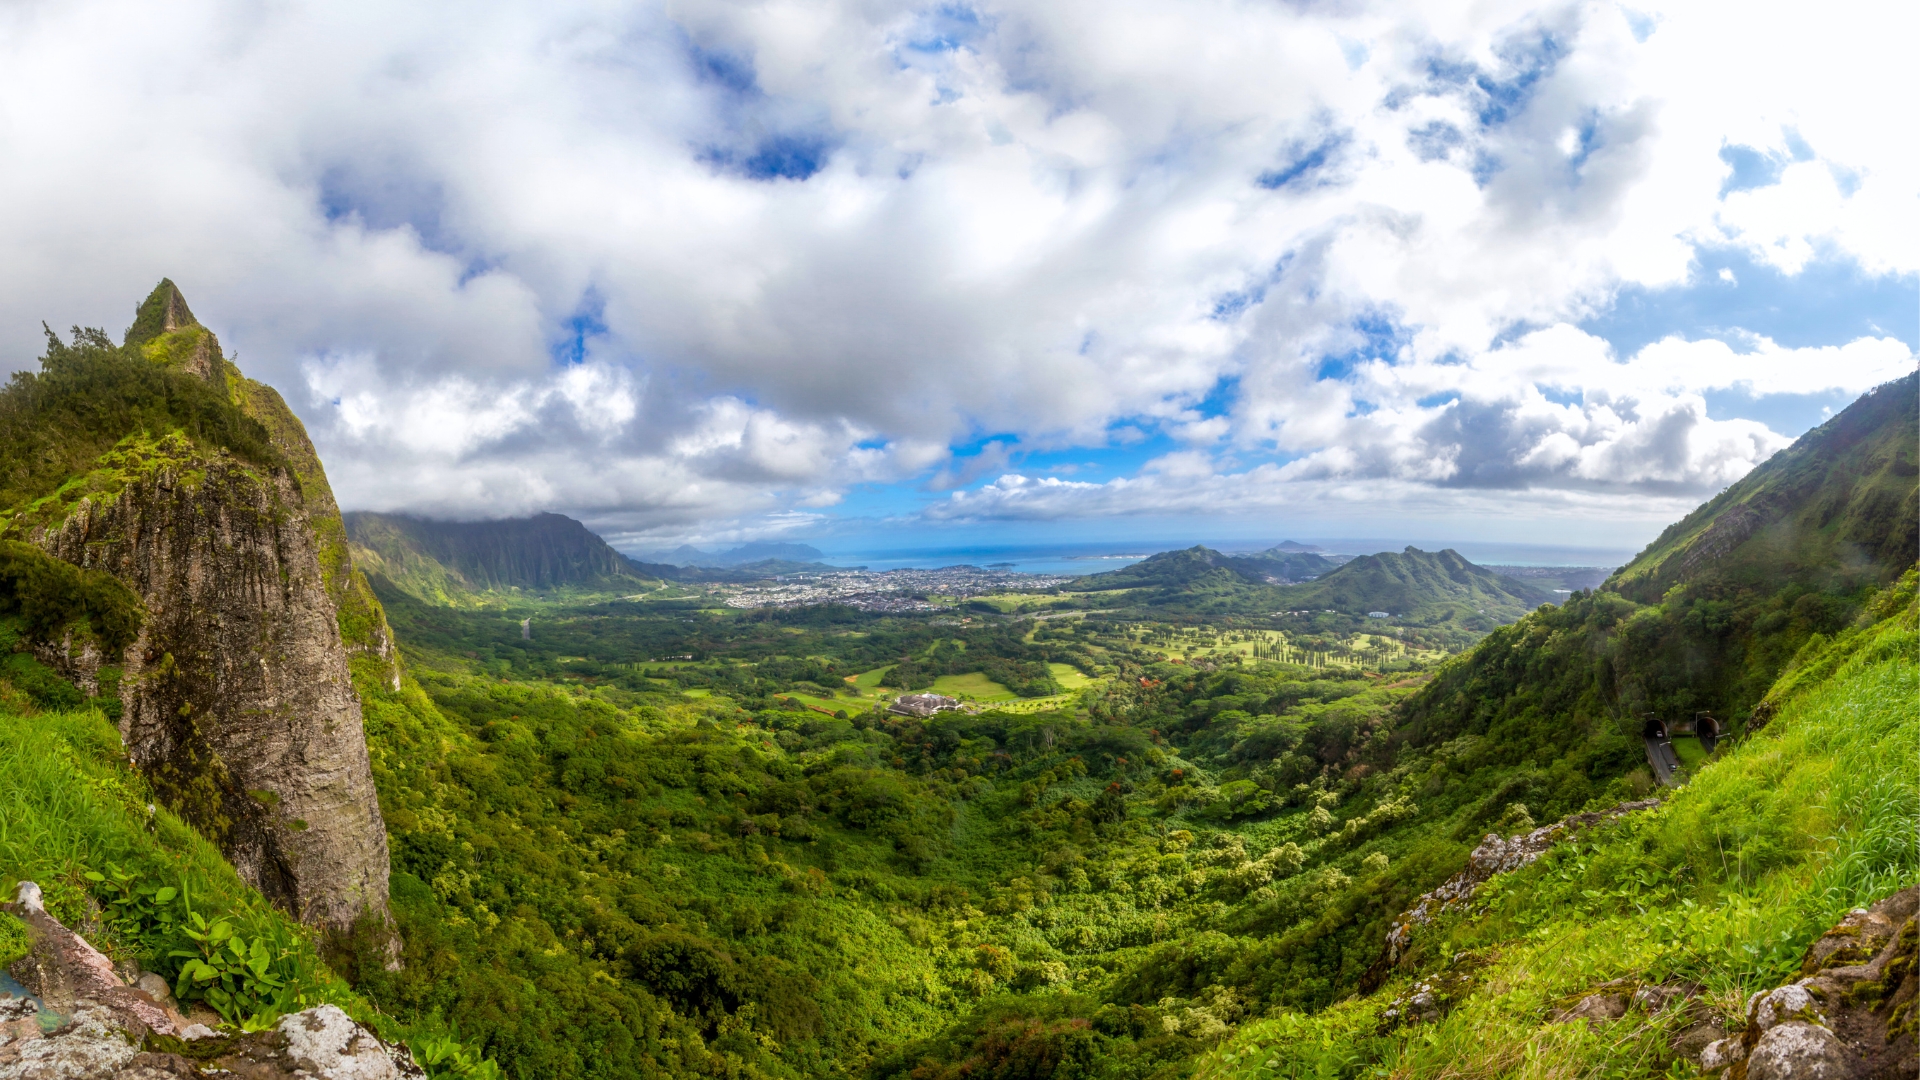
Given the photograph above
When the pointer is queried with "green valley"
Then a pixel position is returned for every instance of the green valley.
(1165, 829)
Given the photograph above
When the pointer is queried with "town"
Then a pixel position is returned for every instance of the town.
(885, 591)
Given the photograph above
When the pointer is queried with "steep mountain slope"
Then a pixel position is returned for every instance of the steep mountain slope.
(1628, 951)
(1712, 611)
(156, 462)
(450, 562)
(1838, 509)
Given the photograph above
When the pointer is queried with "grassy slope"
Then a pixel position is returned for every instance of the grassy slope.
(1726, 884)
(70, 803)
(1712, 612)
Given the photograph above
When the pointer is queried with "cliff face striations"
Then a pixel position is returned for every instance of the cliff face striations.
(237, 697)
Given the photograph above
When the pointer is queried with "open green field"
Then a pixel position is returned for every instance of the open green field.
(1314, 651)
(1691, 754)
(973, 686)
(1008, 603)
(1069, 677)
(868, 682)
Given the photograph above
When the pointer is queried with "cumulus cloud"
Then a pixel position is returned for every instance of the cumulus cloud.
(680, 266)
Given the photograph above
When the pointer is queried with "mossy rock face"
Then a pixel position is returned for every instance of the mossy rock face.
(362, 621)
(212, 593)
(237, 697)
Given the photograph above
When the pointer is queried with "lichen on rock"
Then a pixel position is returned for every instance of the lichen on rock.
(236, 696)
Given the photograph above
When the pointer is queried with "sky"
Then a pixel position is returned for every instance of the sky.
(882, 274)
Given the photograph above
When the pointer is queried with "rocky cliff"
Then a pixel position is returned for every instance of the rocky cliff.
(237, 697)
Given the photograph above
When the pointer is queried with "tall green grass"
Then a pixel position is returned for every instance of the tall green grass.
(1724, 886)
(71, 803)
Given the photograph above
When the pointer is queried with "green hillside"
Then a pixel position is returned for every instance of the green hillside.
(1837, 510)
(1710, 614)
(1198, 570)
(1720, 891)
(1440, 590)
(450, 562)
(1420, 587)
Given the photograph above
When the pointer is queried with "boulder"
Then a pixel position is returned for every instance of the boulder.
(103, 1029)
(1721, 1053)
(1797, 1050)
(1496, 855)
(1598, 1008)
(1851, 1015)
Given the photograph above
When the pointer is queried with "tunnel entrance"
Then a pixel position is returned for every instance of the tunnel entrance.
(1707, 730)
(1660, 754)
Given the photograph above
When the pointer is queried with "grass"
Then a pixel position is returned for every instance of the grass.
(1069, 677)
(829, 704)
(69, 804)
(972, 686)
(1725, 885)
(1691, 754)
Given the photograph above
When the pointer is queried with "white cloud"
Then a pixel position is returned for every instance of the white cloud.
(1638, 440)
(1048, 223)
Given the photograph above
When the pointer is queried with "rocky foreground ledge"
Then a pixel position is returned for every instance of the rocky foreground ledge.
(1854, 1014)
(84, 1020)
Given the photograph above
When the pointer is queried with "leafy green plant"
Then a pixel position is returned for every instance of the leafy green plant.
(249, 979)
(243, 978)
(135, 908)
(445, 1057)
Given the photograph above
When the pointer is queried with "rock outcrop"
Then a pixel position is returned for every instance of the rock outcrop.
(1495, 855)
(85, 1022)
(1851, 1016)
(237, 699)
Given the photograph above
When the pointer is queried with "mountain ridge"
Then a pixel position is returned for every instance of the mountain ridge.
(1425, 586)
(450, 562)
(1708, 615)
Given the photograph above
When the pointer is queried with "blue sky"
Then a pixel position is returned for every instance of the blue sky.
(895, 273)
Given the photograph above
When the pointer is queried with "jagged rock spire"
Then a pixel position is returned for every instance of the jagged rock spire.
(163, 311)
(157, 323)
